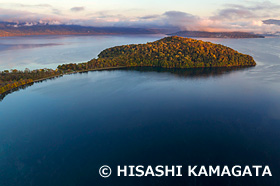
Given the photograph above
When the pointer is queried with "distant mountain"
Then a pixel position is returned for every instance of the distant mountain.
(275, 34)
(216, 34)
(14, 29)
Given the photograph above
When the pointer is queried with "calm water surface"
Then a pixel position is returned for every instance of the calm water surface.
(50, 51)
(59, 132)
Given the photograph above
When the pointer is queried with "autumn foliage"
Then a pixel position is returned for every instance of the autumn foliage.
(169, 52)
(15, 84)
(16, 78)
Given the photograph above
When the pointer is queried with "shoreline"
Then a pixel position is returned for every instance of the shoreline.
(69, 73)
(101, 69)
(56, 76)
(80, 71)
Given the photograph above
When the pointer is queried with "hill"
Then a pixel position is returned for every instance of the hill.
(169, 52)
(204, 34)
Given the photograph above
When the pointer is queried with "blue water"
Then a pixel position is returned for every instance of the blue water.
(50, 51)
(60, 131)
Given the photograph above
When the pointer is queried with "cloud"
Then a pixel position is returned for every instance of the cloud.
(34, 6)
(249, 11)
(19, 16)
(232, 17)
(56, 11)
(77, 9)
(46, 8)
(247, 17)
(233, 14)
(250, 16)
(150, 16)
(271, 22)
(183, 20)
(166, 20)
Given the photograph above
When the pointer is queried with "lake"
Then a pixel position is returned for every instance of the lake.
(50, 51)
(61, 131)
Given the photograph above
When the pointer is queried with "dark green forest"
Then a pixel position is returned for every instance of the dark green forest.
(169, 52)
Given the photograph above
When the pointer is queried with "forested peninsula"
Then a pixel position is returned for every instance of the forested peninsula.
(169, 52)
(205, 34)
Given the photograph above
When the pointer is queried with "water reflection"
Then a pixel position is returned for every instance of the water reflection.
(23, 87)
(2, 96)
(24, 46)
(192, 73)
(182, 73)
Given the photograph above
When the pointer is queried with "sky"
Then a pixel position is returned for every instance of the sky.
(206, 15)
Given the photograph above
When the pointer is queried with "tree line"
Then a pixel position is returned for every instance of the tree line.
(16, 78)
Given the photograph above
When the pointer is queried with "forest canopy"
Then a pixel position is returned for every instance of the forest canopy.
(169, 52)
